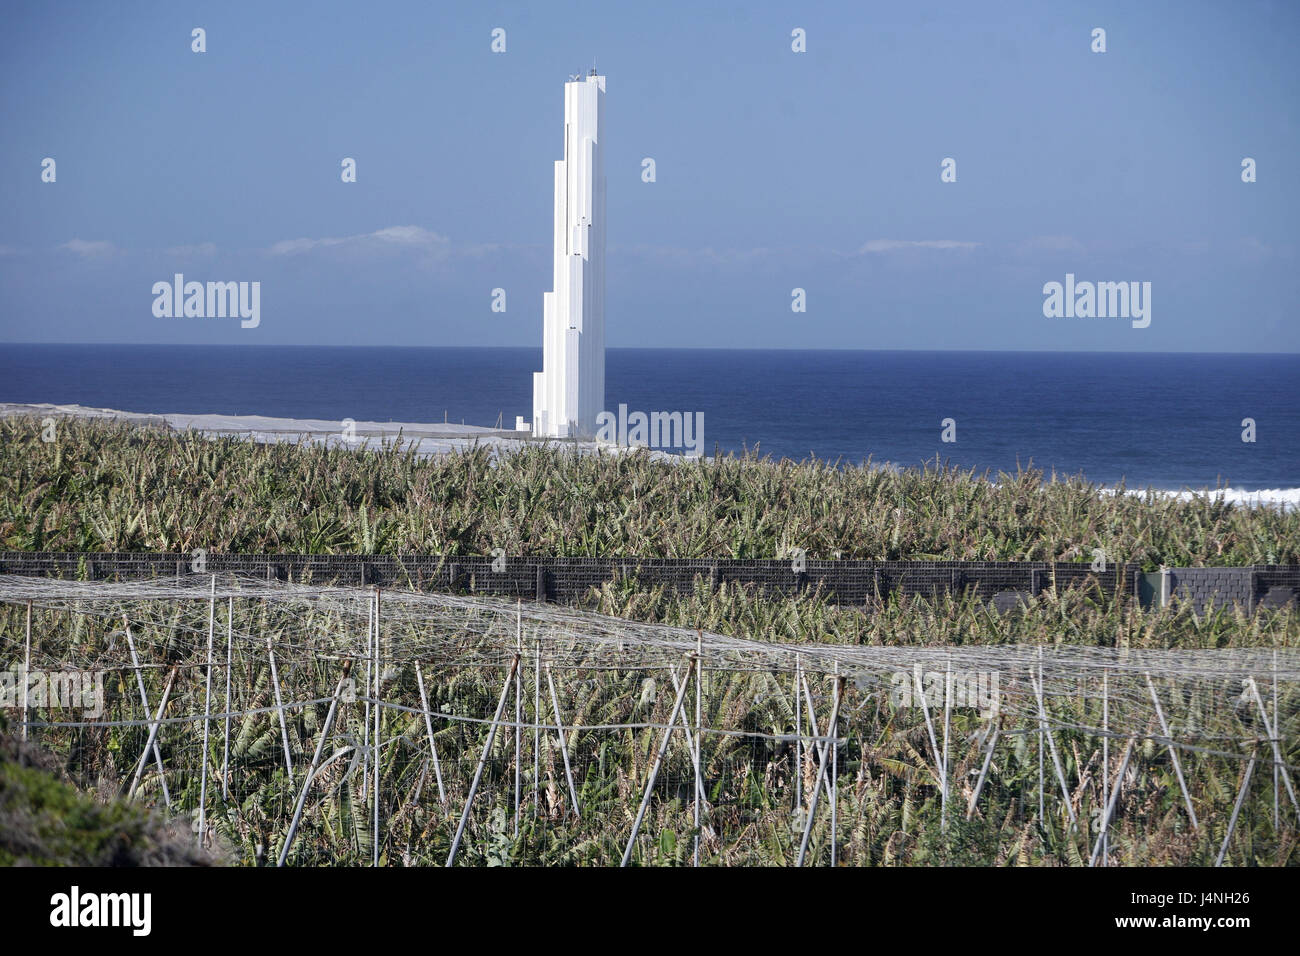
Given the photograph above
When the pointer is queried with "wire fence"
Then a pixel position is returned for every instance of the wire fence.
(311, 724)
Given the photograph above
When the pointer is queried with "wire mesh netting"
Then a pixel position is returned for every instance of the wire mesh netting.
(331, 725)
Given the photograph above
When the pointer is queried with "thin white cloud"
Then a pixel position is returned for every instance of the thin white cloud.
(389, 239)
(897, 245)
(408, 236)
(707, 255)
(89, 249)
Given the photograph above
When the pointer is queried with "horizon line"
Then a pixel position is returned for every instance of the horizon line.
(649, 348)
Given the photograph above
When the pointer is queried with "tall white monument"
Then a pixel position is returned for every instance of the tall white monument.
(569, 392)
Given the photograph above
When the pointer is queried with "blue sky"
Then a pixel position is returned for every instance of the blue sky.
(776, 170)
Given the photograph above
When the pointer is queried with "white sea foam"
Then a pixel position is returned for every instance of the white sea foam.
(1286, 498)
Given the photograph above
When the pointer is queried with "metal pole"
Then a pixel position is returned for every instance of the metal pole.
(816, 731)
(428, 726)
(478, 772)
(207, 711)
(1105, 754)
(677, 685)
(1110, 804)
(984, 771)
(947, 720)
(225, 743)
(564, 747)
(1241, 796)
(144, 699)
(374, 861)
(835, 764)
(1040, 744)
(1276, 797)
(929, 727)
(817, 789)
(279, 707)
(519, 706)
(1051, 744)
(699, 696)
(365, 726)
(1178, 769)
(27, 666)
(537, 719)
(153, 733)
(654, 772)
(798, 743)
(1273, 741)
(315, 762)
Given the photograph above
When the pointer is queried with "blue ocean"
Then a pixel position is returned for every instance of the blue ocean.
(1163, 420)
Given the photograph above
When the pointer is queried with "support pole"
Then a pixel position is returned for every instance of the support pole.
(817, 734)
(1273, 742)
(207, 712)
(1040, 743)
(144, 700)
(537, 720)
(677, 686)
(153, 733)
(365, 725)
(1056, 759)
(984, 771)
(947, 720)
(1105, 754)
(798, 743)
(225, 738)
(519, 707)
(1276, 799)
(279, 707)
(478, 772)
(654, 772)
(1241, 798)
(428, 727)
(934, 742)
(835, 764)
(379, 710)
(1173, 753)
(1110, 804)
(699, 738)
(817, 788)
(564, 747)
(315, 763)
(27, 666)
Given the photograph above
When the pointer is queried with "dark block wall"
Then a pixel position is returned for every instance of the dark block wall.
(569, 579)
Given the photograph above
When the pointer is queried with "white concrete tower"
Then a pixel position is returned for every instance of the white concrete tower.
(569, 392)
